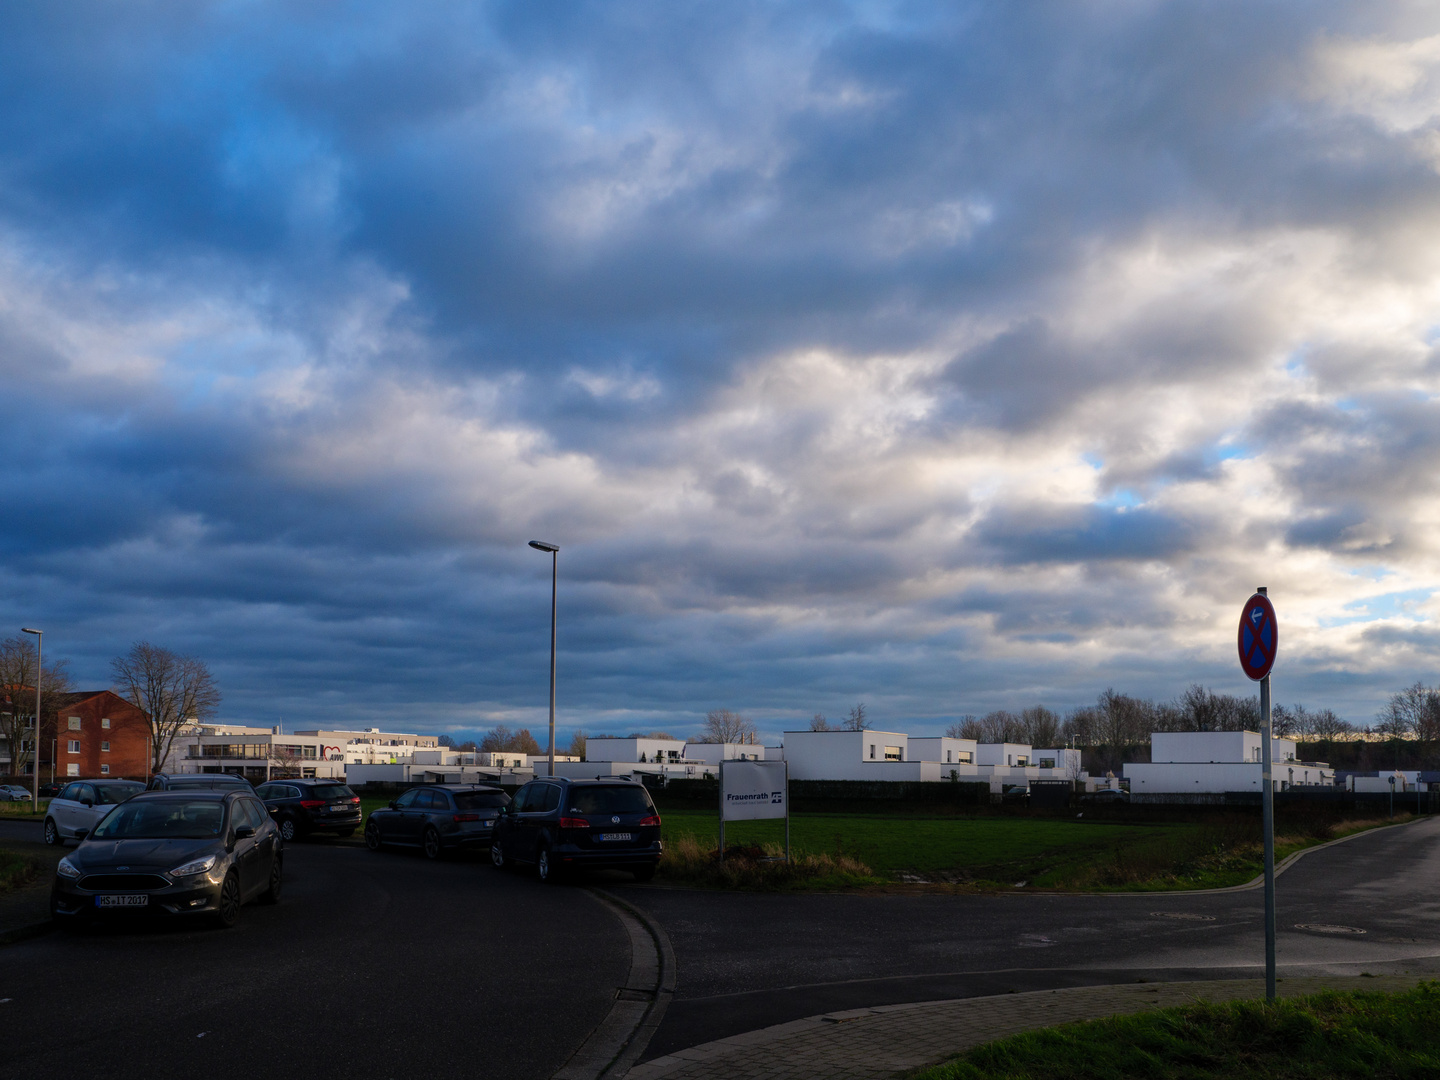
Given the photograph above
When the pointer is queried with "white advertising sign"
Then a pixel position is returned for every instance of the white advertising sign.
(752, 789)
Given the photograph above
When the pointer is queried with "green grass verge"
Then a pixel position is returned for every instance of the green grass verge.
(16, 871)
(22, 810)
(996, 852)
(1325, 1037)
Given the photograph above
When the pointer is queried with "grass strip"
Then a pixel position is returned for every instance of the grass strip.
(1326, 1036)
(16, 871)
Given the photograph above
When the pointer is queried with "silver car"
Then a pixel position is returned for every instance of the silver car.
(14, 793)
(74, 813)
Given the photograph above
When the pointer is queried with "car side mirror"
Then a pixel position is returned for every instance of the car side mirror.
(394, 804)
(243, 832)
(87, 802)
(80, 834)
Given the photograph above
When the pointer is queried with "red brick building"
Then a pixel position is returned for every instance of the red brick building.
(96, 733)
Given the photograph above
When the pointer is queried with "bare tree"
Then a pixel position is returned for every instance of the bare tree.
(18, 659)
(967, 727)
(1001, 727)
(578, 742)
(724, 726)
(500, 739)
(170, 689)
(285, 759)
(1414, 711)
(819, 723)
(857, 720)
(1041, 727)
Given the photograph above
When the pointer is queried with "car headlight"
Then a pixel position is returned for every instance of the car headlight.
(199, 866)
(66, 869)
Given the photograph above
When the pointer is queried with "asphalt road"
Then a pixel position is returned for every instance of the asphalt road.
(750, 960)
(372, 966)
(388, 965)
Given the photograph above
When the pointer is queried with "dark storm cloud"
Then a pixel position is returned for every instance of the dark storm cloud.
(872, 350)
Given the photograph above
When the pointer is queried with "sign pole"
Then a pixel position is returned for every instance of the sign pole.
(722, 808)
(1267, 804)
(787, 812)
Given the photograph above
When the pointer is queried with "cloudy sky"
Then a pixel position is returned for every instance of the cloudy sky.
(945, 357)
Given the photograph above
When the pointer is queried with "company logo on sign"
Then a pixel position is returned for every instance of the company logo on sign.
(777, 796)
(758, 796)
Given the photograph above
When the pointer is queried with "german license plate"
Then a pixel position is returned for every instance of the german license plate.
(339, 806)
(122, 900)
(617, 836)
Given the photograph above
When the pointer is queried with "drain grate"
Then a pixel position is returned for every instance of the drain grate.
(1327, 928)
(1187, 916)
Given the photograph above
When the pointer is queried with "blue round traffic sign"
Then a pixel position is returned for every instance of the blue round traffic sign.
(1259, 637)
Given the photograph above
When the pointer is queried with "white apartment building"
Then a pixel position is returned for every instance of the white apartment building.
(1214, 762)
(945, 750)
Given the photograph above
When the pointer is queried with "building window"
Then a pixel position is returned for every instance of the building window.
(104, 770)
(892, 753)
(105, 723)
(1022, 762)
(74, 723)
(104, 747)
(72, 746)
(72, 770)
(872, 751)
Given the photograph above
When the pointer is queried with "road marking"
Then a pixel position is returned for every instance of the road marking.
(1187, 915)
(1328, 928)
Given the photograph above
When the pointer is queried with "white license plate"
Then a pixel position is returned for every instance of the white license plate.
(617, 836)
(122, 900)
(339, 806)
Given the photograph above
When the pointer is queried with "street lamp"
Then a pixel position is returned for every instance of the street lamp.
(554, 550)
(35, 742)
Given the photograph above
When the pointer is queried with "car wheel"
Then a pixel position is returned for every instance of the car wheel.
(644, 873)
(546, 868)
(52, 833)
(228, 912)
(288, 830)
(272, 894)
(430, 843)
(497, 856)
(372, 837)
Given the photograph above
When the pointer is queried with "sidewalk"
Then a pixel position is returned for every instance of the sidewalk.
(884, 1042)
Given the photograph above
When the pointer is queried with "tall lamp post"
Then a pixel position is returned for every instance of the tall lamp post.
(554, 550)
(35, 742)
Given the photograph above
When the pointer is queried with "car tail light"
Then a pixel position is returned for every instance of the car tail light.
(312, 804)
(465, 817)
(574, 823)
(650, 819)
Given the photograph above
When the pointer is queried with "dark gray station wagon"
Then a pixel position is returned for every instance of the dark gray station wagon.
(437, 818)
(562, 826)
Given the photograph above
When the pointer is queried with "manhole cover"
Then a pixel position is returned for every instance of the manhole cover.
(1327, 928)
(1188, 916)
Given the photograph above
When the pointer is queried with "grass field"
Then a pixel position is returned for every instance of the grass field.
(21, 810)
(989, 852)
(16, 871)
(1326, 1037)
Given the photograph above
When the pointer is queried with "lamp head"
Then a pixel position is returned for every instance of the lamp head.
(541, 545)
(27, 630)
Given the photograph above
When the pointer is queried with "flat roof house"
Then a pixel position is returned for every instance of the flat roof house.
(1214, 762)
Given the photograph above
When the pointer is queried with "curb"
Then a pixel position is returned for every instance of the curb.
(618, 1040)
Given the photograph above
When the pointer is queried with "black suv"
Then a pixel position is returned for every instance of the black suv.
(438, 818)
(567, 825)
(302, 807)
(210, 781)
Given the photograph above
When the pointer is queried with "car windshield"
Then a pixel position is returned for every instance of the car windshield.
(163, 819)
(630, 799)
(332, 791)
(105, 794)
(481, 800)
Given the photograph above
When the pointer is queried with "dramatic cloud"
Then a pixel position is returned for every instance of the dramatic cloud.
(941, 356)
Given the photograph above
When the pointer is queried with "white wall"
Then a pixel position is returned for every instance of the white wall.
(1001, 753)
(943, 749)
(1217, 746)
(1214, 778)
(838, 755)
(629, 750)
(714, 753)
(1067, 761)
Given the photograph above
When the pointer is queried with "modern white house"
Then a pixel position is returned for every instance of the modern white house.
(945, 750)
(1005, 753)
(1214, 762)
